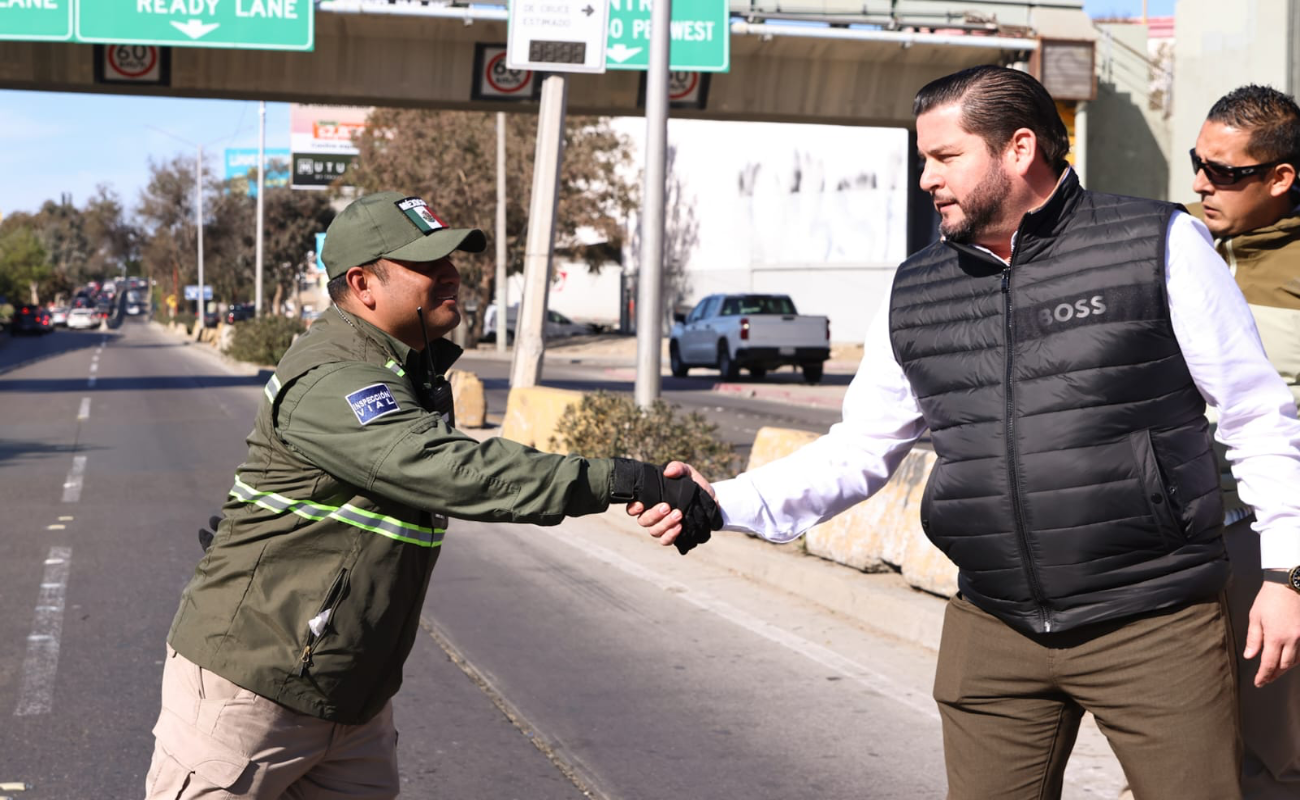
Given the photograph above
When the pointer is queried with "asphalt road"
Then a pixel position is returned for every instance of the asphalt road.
(567, 662)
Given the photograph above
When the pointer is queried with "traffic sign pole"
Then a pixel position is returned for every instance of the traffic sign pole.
(501, 233)
(261, 203)
(198, 224)
(529, 346)
(650, 300)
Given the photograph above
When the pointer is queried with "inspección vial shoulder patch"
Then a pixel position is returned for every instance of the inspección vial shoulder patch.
(372, 402)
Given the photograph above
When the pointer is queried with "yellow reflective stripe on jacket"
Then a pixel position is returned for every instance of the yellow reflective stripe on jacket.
(396, 368)
(348, 514)
(272, 388)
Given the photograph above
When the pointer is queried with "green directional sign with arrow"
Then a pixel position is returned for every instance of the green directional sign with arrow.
(36, 20)
(700, 31)
(251, 24)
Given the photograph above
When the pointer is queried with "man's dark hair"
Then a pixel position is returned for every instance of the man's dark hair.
(1271, 117)
(995, 103)
(338, 287)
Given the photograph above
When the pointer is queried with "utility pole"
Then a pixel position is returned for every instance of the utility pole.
(261, 202)
(650, 300)
(501, 233)
(527, 368)
(198, 224)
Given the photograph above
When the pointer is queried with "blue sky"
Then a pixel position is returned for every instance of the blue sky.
(52, 142)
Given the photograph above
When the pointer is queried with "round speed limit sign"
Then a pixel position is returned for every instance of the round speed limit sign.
(505, 80)
(496, 81)
(131, 63)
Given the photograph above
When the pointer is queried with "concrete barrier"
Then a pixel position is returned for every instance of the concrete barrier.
(880, 534)
(532, 413)
(468, 395)
(225, 337)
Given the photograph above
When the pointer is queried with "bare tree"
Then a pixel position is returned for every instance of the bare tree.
(681, 237)
(449, 159)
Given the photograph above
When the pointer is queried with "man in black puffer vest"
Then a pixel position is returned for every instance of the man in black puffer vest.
(1059, 345)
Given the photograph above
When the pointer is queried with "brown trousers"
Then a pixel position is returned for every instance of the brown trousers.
(215, 741)
(1270, 716)
(1162, 688)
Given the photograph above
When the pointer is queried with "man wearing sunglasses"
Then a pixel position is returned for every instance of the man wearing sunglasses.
(1244, 168)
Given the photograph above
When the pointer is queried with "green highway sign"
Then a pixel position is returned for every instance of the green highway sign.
(700, 30)
(36, 20)
(250, 24)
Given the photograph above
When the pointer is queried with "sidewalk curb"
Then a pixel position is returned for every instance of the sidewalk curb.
(234, 366)
(881, 601)
(805, 396)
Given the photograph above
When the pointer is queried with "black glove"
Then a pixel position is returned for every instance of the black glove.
(638, 481)
(206, 536)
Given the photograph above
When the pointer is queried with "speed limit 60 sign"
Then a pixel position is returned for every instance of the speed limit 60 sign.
(493, 80)
(139, 64)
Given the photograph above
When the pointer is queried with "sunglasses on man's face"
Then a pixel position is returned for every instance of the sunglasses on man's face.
(1220, 175)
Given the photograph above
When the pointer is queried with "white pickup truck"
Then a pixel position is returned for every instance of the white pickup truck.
(757, 332)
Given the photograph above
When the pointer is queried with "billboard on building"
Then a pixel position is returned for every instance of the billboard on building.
(321, 138)
(242, 161)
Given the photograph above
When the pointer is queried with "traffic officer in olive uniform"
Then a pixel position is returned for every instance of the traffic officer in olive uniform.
(290, 638)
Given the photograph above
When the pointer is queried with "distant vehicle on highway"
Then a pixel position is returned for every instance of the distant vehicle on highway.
(757, 332)
(238, 312)
(32, 319)
(557, 325)
(83, 318)
(58, 315)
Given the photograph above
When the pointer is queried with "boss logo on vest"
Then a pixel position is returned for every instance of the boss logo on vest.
(1115, 304)
(1079, 309)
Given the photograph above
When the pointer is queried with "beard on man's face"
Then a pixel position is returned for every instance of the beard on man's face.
(981, 208)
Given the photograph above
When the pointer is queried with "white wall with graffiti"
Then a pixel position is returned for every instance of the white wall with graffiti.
(818, 212)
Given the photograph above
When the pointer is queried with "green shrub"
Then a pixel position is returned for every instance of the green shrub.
(264, 340)
(6, 313)
(607, 425)
(185, 318)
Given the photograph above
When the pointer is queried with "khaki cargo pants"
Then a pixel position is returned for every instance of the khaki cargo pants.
(1162, 688)
(215, 740)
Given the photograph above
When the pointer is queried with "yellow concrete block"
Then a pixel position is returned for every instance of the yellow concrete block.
(881, 533)
(471, 401)
(532, 413)
(774, 443)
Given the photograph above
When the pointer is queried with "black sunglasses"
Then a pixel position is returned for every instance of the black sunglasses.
(1220, 175)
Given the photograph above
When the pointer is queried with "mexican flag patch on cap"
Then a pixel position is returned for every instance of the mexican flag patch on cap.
(418, 212)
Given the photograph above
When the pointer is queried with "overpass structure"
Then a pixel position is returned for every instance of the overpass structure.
(853, 62)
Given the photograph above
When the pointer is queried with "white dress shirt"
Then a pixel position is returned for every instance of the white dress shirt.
(882, 420)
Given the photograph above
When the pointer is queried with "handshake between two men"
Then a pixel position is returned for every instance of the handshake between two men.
(674, 502)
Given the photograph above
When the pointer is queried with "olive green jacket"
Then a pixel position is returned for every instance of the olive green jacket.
(310, 594)
(1266, 265)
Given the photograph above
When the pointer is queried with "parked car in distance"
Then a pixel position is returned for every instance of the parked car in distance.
(82, 318)
(32, 319)
(239, 312)
(58, 315)
(757, 332)
(557, 325)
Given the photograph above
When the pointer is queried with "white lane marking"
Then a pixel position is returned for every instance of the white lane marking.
(72, 486)
(36, 694)
(66, 519)
(870, 679)
(94, 366)
(55, 527)
(84, 413)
